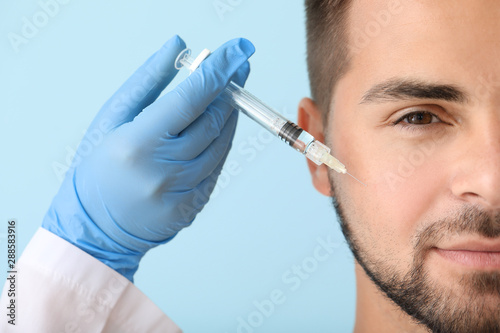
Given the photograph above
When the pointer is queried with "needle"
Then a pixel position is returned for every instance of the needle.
(356, 179)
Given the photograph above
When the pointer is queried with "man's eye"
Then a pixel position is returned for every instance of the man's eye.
(418, 118)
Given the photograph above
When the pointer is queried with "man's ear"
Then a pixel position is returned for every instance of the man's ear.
(310, 119)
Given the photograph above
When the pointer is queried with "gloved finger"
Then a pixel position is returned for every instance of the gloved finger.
(198, 197)
(180, 107)
(241, 75)
(206, 128)
(193, 172)
(143, 87)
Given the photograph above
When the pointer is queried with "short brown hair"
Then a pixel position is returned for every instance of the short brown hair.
(327, 47)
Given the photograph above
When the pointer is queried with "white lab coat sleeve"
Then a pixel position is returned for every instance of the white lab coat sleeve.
(60, 288)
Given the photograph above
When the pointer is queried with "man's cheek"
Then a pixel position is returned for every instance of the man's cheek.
(408, 192)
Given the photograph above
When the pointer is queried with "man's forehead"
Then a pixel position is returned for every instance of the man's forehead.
(402, 11)
(438, 40)
(402, 19)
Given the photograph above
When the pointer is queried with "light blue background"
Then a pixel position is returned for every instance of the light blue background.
(262, 220)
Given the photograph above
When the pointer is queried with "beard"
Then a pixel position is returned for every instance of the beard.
(475, 308)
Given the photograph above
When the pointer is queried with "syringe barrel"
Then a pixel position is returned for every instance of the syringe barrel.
(271, 120)
(254, 108)
(257, 110)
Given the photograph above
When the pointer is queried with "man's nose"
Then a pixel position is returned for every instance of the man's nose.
(476, 173)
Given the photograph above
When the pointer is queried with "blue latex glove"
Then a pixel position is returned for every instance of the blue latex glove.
(147, 166)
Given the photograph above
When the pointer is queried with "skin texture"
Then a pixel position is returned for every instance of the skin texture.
(430, 184)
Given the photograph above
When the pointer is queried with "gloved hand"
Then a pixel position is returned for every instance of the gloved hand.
(147, 166)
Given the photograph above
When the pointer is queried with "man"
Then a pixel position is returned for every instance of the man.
(399, 94)
(407, 95)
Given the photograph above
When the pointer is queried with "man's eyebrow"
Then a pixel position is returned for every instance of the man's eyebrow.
(403, 89)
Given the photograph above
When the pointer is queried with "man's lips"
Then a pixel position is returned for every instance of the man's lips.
(479, 246)
(474, 254)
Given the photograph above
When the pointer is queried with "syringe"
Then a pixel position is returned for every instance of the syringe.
(268, 118)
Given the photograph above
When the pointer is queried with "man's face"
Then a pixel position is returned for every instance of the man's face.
(417, 118)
